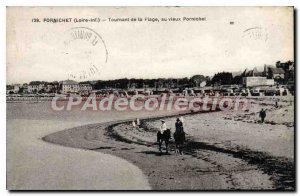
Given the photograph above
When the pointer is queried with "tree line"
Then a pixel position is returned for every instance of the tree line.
(222, 78)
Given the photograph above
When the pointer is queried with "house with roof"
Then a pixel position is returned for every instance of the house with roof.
(70, 86)
(35, 86)
(256, 77)
(274, 72)
(85, 88)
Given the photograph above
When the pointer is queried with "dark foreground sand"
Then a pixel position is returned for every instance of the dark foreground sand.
(212, 160)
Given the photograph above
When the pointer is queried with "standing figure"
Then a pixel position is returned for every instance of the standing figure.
(133, 124)
(138, 123)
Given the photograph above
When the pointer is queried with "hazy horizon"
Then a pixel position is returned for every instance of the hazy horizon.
(49, 81)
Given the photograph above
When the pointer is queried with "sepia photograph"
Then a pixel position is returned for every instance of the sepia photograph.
(150, 98)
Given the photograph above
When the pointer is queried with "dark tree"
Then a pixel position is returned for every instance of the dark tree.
(237, 80)
(197, 79)
(223, 78)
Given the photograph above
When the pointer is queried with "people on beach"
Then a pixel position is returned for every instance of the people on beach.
(133, 124)
(262, 115)
(178, 125)
(138, 123)
(163, 126)
(163, 135)
(179, 136)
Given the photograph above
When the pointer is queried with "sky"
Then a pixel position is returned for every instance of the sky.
(229, 39)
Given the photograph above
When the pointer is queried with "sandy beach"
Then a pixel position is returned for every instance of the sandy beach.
(224, 150)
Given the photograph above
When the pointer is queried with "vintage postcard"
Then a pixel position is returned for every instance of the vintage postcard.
(150, 98)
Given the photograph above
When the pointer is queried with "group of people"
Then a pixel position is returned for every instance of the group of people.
(136, 123)
(164, 135)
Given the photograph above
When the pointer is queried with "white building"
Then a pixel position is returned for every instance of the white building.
(255, 77)
(70, 86)
(86, 87)
(35, 87)
(257, 81)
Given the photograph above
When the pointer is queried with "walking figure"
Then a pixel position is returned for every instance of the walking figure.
(262, 115)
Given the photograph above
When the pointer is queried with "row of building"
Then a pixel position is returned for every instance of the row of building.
(281, 74)
(67, 86)
(266, 76)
